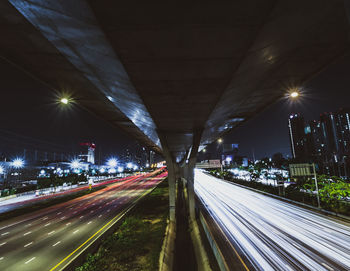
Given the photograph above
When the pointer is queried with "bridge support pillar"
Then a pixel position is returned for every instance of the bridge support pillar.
(173, 175)
(189, 171)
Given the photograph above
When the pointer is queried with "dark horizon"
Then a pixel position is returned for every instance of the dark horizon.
(30, 110)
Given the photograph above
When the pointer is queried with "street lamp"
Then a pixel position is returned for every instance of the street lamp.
(220, 140)
(64, 101)
(294, 94)
(18, 163)
(112, 163)
(75, 164)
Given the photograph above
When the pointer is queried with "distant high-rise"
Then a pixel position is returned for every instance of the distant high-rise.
(89, 154)
(325, 142)
(297, 135)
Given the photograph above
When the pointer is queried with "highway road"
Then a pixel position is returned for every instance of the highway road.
(269, 234)
(50, 238)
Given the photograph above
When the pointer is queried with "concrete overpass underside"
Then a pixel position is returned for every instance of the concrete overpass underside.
(174, 74)
(169, 69)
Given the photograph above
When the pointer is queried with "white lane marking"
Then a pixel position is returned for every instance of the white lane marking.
(100, 207)
(81, 216)
(59, 213)
(51, 232)
(75, 212)
(28, 244)
(63, 217)
(45, 218)
(30, 260)
(56, 243)
(1, 258)
(27, 233)
(89, 222)
(327, 266)
(47, 224)
(75, 232)
(5, 233)
(4, 243)
(28, 225)
(68, 224)
(91, 212)
(99, 215)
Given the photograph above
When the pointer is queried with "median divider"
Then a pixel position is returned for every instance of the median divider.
(166, 257)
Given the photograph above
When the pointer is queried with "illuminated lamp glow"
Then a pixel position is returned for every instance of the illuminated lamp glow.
(18, 163)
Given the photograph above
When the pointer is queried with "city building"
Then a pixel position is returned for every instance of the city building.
(324, 141)
(88, 153)
(299, 136)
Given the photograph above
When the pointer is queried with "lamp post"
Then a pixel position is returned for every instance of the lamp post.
(316, 184)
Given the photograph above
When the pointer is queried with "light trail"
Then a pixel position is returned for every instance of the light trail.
(57, 234)
(272, 234)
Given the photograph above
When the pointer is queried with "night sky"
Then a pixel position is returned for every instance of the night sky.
(30, 118)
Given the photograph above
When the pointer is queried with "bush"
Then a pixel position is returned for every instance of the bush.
(54, 180)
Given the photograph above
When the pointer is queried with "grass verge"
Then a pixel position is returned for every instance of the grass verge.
(46, 203)
(137, 243)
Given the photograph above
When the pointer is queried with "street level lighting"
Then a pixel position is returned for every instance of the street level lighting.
(220, 140)
(112, 163)
(75, 164)
(18, 163)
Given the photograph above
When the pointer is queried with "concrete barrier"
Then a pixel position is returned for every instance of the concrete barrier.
(166, 257)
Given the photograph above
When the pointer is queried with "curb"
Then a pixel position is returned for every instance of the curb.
(166, 256)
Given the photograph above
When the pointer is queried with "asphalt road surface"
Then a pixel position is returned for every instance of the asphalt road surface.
(50, 238)
(270, 234)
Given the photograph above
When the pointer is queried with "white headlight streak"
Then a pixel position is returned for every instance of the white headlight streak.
(275, 235)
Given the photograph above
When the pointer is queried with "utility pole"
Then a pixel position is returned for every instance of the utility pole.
(316, 184)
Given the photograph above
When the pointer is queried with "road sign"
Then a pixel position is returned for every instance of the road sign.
(209, 164)
(305, 170)
(301, 170)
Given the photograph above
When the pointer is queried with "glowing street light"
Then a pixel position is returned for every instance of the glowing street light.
(294, 94)
(64, 101)
(2, 170)
(18, 163)
(220, 140)
(112, 163)
(129, 165)
(75, 164)
(120, 169)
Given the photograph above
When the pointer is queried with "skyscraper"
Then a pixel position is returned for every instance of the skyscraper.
(325, 142)
(298, 138)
